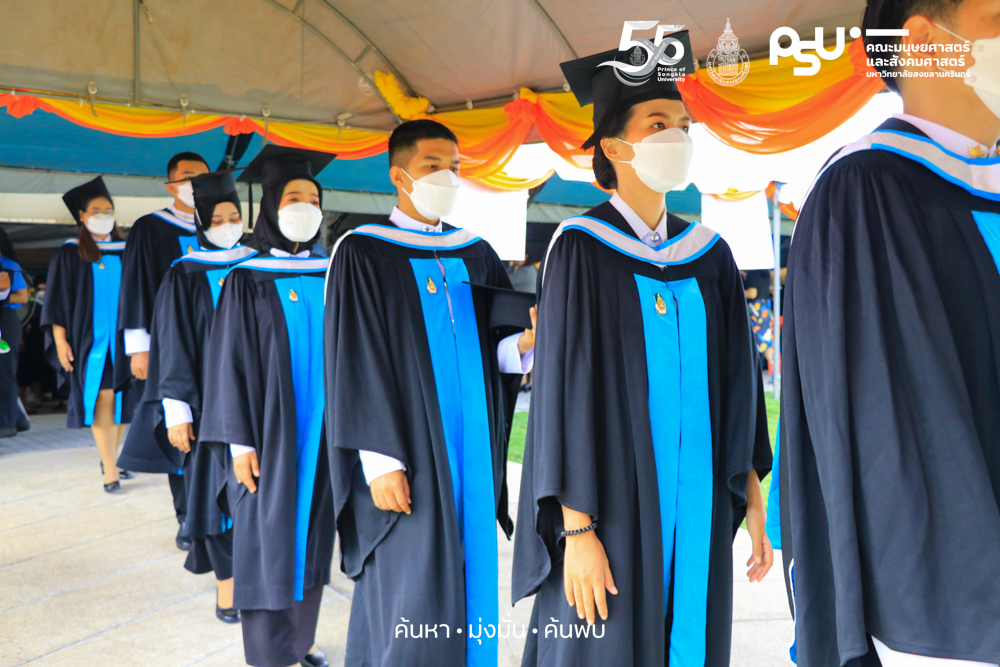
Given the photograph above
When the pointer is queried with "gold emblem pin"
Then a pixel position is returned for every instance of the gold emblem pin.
(661, 307)
(292, 296)
(431, 287)
(976, 152)
(221, 280)
(190, 249)
(101, 266)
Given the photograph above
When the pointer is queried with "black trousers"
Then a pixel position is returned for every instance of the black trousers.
(213, 553)
(282, 637)
(179, 493)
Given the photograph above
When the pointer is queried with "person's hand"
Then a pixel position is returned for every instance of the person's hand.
(4, 281)
(763, 555)
(527, 340)
(140, 365)
(181, 435)
(587, 575)
(246, 468)
(391, 492)
(65, 353)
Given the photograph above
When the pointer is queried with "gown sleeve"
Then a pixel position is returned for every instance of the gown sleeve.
(141, 275)
(60, 301)
(178, 371)
(560, 454)
(233, 406)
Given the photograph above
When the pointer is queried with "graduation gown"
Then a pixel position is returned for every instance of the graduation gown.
(264, 389)
(890, 421)
(83, 298)
(643, 415)
(412, 373)
(181, 323)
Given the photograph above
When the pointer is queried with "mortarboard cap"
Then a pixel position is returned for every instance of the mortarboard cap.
(508, 308)
(77, 198)
(275, 165)
(209, 190)
(612, 90)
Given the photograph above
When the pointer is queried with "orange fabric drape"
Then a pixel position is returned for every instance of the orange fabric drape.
(788, 210)
(761, 118)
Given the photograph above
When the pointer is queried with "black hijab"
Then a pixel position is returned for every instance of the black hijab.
(210, 190)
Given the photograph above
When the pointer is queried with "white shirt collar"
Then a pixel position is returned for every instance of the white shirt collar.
(278, 252)
(186, 217)
(640, 228)
(948, 138)
(404, 221)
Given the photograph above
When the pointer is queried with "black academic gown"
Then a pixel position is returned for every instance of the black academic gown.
(181, 324)
(590, 442)
(890, 426)
(154, 243)
(250, 398)
(69, 303)
(383, 396)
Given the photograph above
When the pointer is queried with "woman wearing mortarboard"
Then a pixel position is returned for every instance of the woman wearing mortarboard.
(80, 316)
(262, 413)
(180, 328)
(643, 454)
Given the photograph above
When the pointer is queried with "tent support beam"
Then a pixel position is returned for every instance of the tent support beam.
(135, 49)
(357, 31)
(326, 40)
(554, 28)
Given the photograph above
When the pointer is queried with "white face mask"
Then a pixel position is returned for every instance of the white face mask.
(225, 235)
(434, 195)
(984, 76)
(299, 222)
(186, 193)
(662, 160)
(100, 224)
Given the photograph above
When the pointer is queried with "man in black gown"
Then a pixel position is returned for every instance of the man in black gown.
(890, 427)
(154, 242)
(420, 388)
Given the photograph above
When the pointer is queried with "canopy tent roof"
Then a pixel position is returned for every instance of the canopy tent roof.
(315, 60)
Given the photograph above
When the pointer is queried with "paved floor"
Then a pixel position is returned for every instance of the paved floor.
(88, 578)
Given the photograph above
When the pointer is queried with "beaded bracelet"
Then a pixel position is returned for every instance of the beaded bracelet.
(580, 531)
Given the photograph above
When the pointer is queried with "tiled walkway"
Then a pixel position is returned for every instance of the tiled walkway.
(88, 578)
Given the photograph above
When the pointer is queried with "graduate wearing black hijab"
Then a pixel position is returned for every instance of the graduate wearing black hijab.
(642, 449)
(263, 413)
(182, 320)
(79, 316)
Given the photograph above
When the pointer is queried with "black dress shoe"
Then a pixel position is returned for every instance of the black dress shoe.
(184, 543)
(8, 432)
(125, 474)
(23, 426)
(230, 615)
(112, 487)
(317, 659)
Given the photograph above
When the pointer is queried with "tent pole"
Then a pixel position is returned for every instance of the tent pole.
(776, 302)
(135, 50)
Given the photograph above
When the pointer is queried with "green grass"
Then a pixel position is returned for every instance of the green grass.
(515, 451)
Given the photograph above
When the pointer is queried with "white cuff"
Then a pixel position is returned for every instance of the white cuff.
(176, 412)
(239, 450)
(4, 294)
(136, 340)
(375, 465)
(510, 358)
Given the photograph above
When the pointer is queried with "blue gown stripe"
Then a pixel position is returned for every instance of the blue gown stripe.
(773, 525)
(188, 244)
(989, 227)
(215, 278)
(675, 332)
(107, 277)
(459, 378)
(302, 303)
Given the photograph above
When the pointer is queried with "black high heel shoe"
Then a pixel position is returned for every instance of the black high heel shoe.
(112, 487)
(122, 474)
(231, 615)
(317, 659)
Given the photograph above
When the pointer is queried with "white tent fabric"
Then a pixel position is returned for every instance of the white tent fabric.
(744, 226)
(314, 60)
